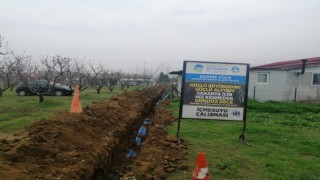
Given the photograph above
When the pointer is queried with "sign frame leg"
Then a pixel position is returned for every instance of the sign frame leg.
(243, 136)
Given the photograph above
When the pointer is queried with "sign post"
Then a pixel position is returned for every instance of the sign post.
(214, 90)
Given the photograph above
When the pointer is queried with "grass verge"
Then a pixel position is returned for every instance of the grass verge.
(284, 138)
(17, 112)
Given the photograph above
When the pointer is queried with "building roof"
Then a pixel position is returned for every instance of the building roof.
(176, 72)
(292, 64)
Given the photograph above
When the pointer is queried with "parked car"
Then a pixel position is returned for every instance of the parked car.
(43, 87)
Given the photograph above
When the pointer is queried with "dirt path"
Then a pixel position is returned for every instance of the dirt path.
(93, 144)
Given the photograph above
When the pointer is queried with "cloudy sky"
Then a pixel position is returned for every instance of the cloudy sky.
(129, 33)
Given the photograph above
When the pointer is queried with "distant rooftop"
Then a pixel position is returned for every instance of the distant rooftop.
(176, 72)
(292, 64)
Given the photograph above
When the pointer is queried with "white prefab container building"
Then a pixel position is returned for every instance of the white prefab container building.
(179, 79)
(295, 80)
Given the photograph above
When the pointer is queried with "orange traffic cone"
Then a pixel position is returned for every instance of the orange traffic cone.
(201, 168)
(76, 105)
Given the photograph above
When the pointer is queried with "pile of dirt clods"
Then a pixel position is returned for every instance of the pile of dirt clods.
(93, 144)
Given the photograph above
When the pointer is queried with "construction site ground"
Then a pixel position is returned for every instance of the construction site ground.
(95, 144)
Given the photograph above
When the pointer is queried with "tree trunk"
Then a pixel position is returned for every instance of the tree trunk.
(98, 90)
(41, 98)
(122, 87)
(1, 92)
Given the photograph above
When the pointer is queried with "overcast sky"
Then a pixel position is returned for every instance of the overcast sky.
(130, 33)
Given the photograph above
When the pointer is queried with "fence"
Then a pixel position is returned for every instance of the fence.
(286, 94)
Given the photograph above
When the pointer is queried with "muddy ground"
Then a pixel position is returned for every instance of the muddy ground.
(95, 143)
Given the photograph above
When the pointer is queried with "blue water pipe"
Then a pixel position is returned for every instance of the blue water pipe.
(142, 131)
(131, 154)
(138, 141)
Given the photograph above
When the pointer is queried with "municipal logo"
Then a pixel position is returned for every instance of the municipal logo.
(198, 67)
(235, 69)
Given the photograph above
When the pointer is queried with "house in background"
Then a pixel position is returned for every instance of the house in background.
(295, 80)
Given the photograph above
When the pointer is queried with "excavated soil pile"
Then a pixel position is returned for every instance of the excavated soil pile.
(86, 145)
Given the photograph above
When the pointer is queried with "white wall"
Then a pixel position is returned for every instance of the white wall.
(306, 91)
(283, 84)
(179, 83)
(275, 89)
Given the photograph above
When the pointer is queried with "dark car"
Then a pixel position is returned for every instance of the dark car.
(43, 87)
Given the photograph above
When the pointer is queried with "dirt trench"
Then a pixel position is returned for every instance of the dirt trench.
(95, 143)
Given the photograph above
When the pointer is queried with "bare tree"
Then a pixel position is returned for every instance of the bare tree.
(124, 80)
(25, 69)
(100, 77)
(3, 46)
(78, 74)
(127, 80)
(7, 67)
(145, 75)
(148, 76)
(50, 71)
(113, 79)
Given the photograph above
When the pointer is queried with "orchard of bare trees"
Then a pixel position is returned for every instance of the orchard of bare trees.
(22, 68)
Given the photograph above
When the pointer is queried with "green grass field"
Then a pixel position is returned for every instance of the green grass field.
(284, 138)
(17, 112)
